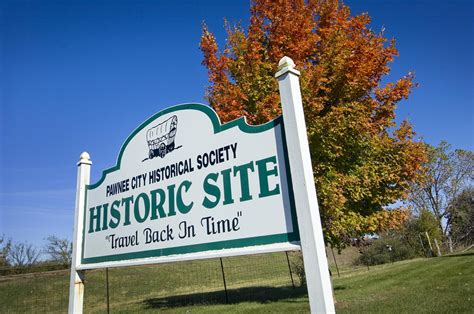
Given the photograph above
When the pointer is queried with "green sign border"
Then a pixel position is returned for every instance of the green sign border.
(219, 245)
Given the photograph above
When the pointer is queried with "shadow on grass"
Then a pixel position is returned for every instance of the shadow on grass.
(251, 294)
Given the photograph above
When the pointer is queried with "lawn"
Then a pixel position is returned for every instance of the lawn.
(255, 284)
(436, 285)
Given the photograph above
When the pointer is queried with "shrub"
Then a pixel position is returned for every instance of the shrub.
(297, 265)
(388, 248)
(415, 230)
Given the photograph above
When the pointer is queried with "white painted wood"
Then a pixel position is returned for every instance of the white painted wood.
(76, 286)
(309, 221)
(260, 249)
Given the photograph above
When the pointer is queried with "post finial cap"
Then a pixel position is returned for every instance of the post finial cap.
(285, 65)
(85, 158)
(285, 62)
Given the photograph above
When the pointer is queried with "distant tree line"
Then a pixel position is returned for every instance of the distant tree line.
(442, 205)
(447, 192)
(20, 257)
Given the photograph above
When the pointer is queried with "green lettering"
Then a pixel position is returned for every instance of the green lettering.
(104, 220)
(211, 189)
(172, 210)
(157, 207)
(243, 170)
(227, 186)
(94, 218)
(115, 213)
(183, 208)
(264, 173)
(127, 201)
(146, 206)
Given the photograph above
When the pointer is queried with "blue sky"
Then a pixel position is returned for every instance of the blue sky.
(81, 75)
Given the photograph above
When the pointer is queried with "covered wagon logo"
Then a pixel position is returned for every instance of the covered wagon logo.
(161, 138)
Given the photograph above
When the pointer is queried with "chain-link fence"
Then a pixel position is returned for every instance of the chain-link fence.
(262, 277)
(176, 286)
(35, 292)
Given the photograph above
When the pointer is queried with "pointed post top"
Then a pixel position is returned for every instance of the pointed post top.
(84, 159)
(285, 65)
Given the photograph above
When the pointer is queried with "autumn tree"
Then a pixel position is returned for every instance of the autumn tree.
(447, 173)
(362, 160)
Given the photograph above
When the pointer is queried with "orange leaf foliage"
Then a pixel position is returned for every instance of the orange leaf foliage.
(362, 160)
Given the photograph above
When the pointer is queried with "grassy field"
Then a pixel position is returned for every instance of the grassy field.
(255, 284)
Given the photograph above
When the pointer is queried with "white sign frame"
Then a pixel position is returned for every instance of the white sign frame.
(241, 246)
(309, 225)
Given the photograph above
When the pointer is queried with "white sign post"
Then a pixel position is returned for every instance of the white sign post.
(187, 187)
(309, 221)
(76, 286)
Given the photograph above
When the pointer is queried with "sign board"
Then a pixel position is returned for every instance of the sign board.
(186, 187)
(185, 184)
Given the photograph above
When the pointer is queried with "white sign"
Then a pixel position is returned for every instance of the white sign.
(185, 184)
(187, 187)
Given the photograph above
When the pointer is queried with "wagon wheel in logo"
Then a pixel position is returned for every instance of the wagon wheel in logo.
(162, 150)
(151, 154)
(171, 147)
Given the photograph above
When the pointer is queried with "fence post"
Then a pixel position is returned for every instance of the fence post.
(76, 286)
(438, 251)
(289, 268)
(335, 262)
(429, 243)
(107, 288)
(450, 244)
(307, 210)
(422, 246)
(225, 284)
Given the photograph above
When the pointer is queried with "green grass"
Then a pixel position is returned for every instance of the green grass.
(441, 285)
(255, 284)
